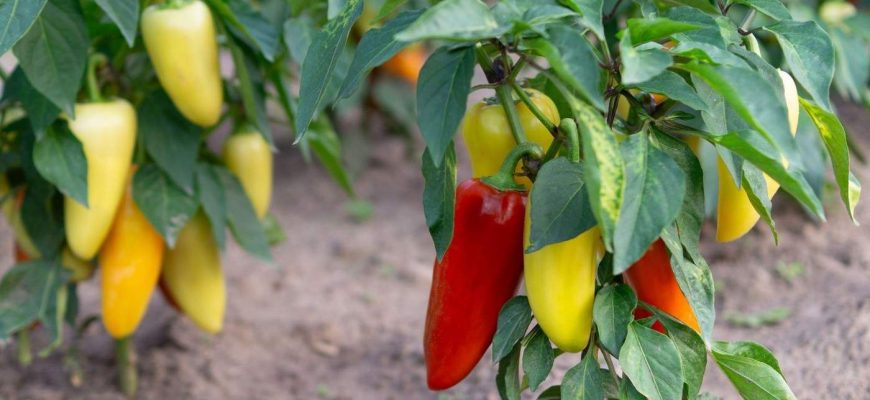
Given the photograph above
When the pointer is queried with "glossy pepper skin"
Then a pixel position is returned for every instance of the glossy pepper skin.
(129, 268)
(653, 280)
(182, 44)
(560, 283)
(735, 214)
(192, 275)
(107, 132)
(479, 272)
(249, 157)
(487, 134)
(406, 64)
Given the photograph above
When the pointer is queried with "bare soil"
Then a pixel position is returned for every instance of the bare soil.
(340, 314)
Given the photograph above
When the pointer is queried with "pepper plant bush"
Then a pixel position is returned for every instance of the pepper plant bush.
(649, 93)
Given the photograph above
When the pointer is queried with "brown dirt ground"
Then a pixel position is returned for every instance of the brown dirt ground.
(340, 315)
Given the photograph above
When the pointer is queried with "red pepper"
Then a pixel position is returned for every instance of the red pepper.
(653, 280)
(479, 272)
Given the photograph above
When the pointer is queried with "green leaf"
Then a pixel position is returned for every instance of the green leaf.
(751, 350)
(166, 206)
(852, 66)
(652, 362)
(772, 8)
(673, 86)
(695, 280)
(810, 56)
(16, 17)
(691, 215)
(442, 95)
(52, 318)
(42, 215)
(654, 190)
(54, 52)
(513, 321)
(612, 313)
(298, 34)
(751, 96)
(551, 393)
(210, 193)
(692, 350)
(255, 27)
(170, 139)
(439, 199)
(320, 61)
(125, 14)
(538, 358)
(560, 208)
(756, 190)
(591, 14)
(323, 140)
(584, 381)
(640, 64)
(40, 111)
(834, 136)
(644, 30)
(627, 391)
(573, 60)
(708, 6)
(242, 219)
(60, 159)
(388, 8)
(27, 292)
(375, 48)
(604, 169)
(253, 90)
(754, 379)
(463, 20)
(507, 381)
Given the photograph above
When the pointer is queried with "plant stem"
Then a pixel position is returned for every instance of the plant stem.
(125, 359)
(94, 62)
(504, 178)
(524, 97)
(570, 128)
(503, 93)
(24, 355)
(744, 26)
(485, 64)
(610, 368)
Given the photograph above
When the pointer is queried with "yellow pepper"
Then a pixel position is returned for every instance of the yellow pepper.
(192, 275)
(249, 157)
(735, 214)
(129, 267)
(182, 44)
(107, 132)
(560, 283)
(487, 134)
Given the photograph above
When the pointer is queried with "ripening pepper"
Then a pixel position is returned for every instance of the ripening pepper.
(487, 134)
(249, 157)
(107, 132)
(129, 268)
(735, 214)
(653, 280)
(479, 272)
(192, 275)
(560, 283)
(406, 64)
(182, 44)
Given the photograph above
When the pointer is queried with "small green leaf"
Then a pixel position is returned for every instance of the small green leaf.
(255, 27)
(513, 321)
(42, 215)
(40, 110)
(538, 358)
(439, 198)
(752, 371)
(27, 292)
(242, 219)
(388, 8)
(756, 190)
(673, 86)
(170, 139)
(210, 193)
(464, 20)
(751, 350)
(772, 8)
(16, 18)
(644, 30)
(60, 159)
(834, 137)
(584, 381)
(640, 64)
(323, 140)
(320, 61)
(695, 280)
(252, 90)
(591, 14)
(507, 381)
(551, 393)
(125, 14)
(442, 95)
(166, 206)
(692, 350)
(652, 362)
(54, 52)
(810, 56)
(560, 208)
(612, 313)
(298, 34)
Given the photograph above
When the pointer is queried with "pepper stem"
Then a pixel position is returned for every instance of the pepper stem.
(126, 365)
(504, 178)
(96, 60)
(24, 355)
(524, 97)
(570, 128)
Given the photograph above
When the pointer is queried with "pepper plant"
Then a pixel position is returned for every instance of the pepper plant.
(655, 103)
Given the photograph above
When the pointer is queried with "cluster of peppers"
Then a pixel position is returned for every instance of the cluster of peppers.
(181, 41)
(485, 261)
